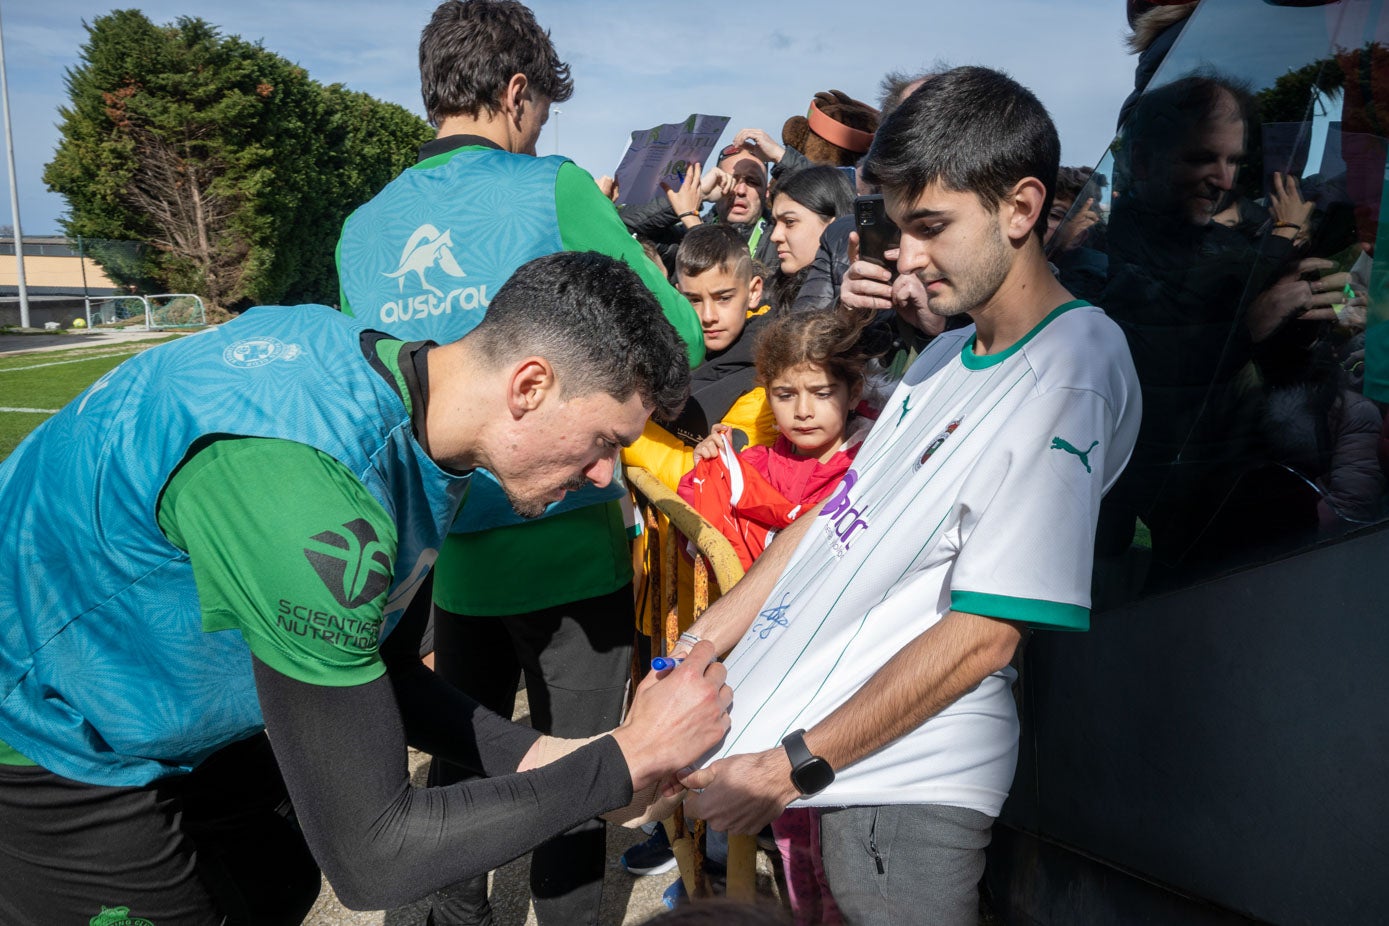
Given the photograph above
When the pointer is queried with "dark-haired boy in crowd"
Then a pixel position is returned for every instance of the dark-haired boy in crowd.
(713, 270)
(551, 599)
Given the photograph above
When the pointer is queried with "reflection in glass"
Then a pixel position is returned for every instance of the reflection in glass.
(1231, 230)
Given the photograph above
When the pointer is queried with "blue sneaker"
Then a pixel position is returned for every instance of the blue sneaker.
(674, 895)
(651, 857)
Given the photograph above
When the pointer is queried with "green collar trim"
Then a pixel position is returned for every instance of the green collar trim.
(973, 361)
(388, 350)
(444, 157)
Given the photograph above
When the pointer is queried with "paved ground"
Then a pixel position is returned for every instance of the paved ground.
(21, 340)
(626, 900)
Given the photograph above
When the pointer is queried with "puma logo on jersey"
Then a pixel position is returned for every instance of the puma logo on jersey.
(1058, 443)
(427, 247)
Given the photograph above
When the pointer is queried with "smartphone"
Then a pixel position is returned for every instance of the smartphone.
(876, 233)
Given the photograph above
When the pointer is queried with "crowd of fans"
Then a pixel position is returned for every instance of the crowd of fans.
(1241, 286)
(1241, 289)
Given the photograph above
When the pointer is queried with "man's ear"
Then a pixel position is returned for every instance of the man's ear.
(531, 381)
(754, 293)
(1023, 208)
(516, 97)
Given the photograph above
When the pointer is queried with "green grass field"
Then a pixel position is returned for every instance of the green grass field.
(40, 383)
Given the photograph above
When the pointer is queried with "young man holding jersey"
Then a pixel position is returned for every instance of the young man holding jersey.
(871, 643)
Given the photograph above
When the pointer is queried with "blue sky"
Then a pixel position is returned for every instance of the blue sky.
(635, 64)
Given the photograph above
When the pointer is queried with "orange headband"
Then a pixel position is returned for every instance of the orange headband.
(837, 133)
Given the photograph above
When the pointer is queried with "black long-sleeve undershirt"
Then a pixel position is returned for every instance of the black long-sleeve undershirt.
(383, 843)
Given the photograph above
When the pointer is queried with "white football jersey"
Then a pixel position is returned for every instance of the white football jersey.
(977, 490)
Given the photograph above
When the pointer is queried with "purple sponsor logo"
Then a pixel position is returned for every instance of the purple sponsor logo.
(846, 518)
(840, 502)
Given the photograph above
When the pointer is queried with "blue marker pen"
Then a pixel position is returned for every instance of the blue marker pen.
(661, 663)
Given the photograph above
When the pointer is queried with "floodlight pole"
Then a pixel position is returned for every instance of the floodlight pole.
(14, 189)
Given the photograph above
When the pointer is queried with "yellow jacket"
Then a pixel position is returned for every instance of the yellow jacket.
(668, 458)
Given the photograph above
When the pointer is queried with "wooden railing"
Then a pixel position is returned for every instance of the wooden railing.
(671, 524)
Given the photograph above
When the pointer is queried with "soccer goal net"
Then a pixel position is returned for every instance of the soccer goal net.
(176, 310)
(156, 313)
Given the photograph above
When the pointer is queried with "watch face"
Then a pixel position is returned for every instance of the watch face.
(812, 776)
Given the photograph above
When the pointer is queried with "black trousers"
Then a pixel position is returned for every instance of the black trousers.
(575, 659)
(217, 846)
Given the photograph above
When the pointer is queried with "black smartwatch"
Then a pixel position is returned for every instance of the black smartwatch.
(809, 773)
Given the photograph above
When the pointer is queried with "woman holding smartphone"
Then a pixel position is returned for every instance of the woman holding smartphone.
(803, 204)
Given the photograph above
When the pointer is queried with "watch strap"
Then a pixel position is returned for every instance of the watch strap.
(796, 749)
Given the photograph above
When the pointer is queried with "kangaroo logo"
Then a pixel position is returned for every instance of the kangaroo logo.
(427, 247)
(351, 562)
(1084, 455)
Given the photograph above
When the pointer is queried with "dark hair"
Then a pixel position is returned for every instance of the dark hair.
(598, 325)
(825, 191)
(471, 49)
(653, 254)
(973, 130)
(827, 337)
(706, 246)
(1070, 181)
(822, 189)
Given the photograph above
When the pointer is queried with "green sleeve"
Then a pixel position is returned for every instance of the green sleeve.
(289, 549)
(588, 221)
(343, 306)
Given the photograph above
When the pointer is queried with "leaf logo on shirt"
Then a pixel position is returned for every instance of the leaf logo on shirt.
(352, 563)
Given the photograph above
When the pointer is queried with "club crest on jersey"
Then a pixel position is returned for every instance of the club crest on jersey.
(257, 352)
(935, 443)
(117, 916)
(426, 249)
(844, 519)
